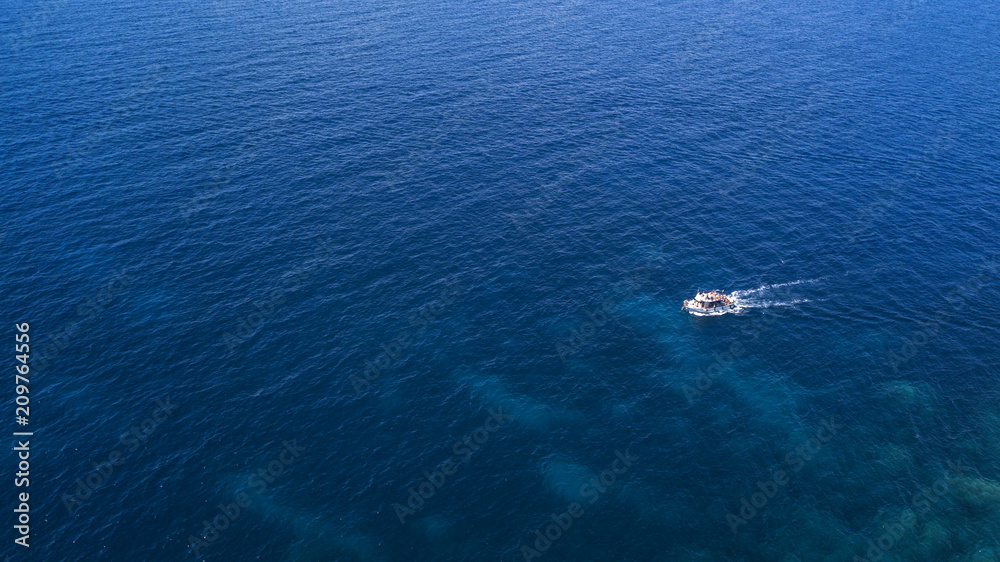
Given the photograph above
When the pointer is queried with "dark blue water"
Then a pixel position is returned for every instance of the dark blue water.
(291, 258)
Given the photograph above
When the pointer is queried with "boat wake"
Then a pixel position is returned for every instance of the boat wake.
(743, 304)
(767, 296)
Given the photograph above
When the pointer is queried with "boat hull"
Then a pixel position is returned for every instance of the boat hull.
(714, 311)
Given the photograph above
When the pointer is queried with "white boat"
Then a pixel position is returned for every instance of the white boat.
(710, 303)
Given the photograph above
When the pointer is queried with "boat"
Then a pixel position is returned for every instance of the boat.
(710, 303)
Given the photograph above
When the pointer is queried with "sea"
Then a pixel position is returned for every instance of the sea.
(394, 280)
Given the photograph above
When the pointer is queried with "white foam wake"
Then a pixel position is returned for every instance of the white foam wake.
(764, 297)
(764, 303)
(762, 288)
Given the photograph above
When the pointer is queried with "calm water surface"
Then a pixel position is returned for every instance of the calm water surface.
(407, 276)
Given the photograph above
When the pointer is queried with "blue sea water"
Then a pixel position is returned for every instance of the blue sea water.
(407, 277)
